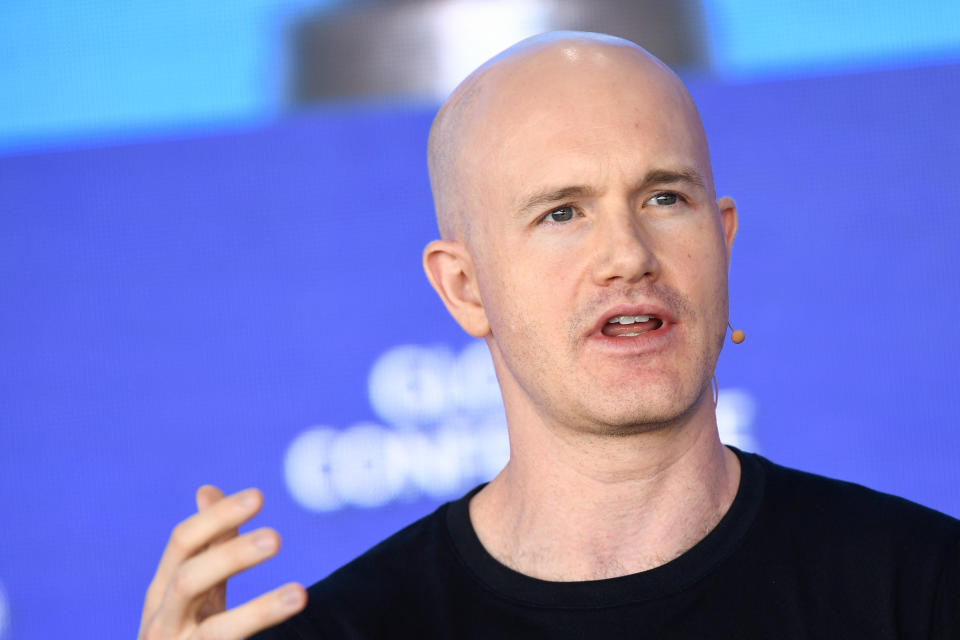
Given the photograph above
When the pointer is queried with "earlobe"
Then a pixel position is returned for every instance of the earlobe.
(728, 221)
(449, 268)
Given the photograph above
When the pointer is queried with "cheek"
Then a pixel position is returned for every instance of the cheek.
(526, 293)
(699, 266)
(702, 250)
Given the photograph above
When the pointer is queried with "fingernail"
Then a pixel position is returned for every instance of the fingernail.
(265, 541)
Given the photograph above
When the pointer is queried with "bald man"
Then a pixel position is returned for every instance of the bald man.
(583, 240)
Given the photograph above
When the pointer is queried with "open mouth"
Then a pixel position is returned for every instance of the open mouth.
(630, 326)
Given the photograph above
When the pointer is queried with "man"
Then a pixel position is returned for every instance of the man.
(583, 240)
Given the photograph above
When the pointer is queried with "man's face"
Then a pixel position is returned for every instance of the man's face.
(600, 252)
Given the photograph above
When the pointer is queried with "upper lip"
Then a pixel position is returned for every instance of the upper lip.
(636, 309)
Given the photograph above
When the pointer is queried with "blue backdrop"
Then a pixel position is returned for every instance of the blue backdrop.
(249, 309)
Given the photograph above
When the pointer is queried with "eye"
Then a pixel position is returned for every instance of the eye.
(665, 199)
(561, 214)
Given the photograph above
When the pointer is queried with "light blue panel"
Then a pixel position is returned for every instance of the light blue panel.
(74, 70)
(751, 38)
(99, 71)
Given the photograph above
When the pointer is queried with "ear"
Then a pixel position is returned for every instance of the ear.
(451, 271)
(729, 221)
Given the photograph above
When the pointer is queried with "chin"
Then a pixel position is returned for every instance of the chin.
(644, 421)
(653, 408)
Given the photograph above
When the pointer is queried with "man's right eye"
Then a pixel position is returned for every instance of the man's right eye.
(560, 214)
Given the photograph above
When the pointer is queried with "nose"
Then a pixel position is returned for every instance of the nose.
(623, 249)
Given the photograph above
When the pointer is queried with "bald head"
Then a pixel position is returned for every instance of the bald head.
(511, 94)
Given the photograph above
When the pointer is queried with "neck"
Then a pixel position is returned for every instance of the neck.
(572, 506)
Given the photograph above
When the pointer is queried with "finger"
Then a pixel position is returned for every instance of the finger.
(193, 534)
(207, 495)
(196, 532)
(202, 572)
(216, 599)
(256, 615)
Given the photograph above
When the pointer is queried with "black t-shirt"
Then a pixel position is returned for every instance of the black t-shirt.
(796, 556)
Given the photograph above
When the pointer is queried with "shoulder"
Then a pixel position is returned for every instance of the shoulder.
(892, 563)
(823, 522)
(392, 562)
(811, 497)
(381, 590)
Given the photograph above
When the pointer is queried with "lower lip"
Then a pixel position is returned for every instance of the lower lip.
(649, 342)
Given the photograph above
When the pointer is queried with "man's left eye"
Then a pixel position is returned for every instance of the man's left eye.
(664, 199)
(561, 214)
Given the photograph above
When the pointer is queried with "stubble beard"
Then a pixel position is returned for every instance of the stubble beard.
(599, 404)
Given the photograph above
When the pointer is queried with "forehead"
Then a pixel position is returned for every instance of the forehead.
(591, 120)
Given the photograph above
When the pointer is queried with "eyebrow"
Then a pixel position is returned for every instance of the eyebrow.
(667, 176)
(546, 197)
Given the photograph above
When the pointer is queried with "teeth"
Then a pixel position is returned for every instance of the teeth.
(627, 335)
(628, 319)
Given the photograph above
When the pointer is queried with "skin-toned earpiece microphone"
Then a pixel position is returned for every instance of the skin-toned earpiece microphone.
(736, 335)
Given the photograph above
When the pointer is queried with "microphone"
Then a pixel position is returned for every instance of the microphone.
(736, 335)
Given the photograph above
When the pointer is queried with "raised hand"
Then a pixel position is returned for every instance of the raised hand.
(187, 597)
